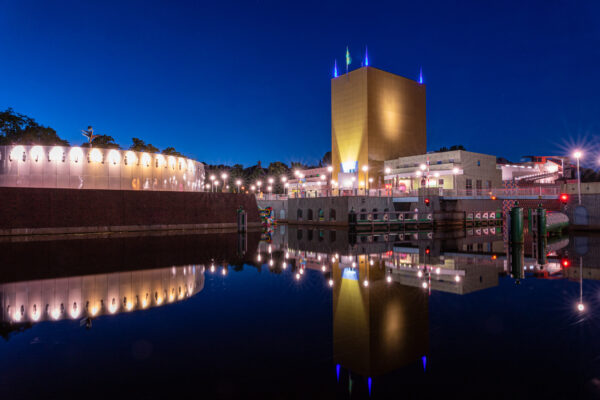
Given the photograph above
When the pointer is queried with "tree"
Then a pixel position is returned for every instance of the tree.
(171, 152)
(104, 142)
(140, 145)
(327, 158)
(21, 129)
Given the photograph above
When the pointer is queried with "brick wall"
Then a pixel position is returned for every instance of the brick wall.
(33, 208)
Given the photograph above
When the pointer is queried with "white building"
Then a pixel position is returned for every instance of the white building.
(96, 168)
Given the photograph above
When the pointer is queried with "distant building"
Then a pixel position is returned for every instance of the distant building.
(310, 180)
(458, 169)
(539, 170)
(375, 116)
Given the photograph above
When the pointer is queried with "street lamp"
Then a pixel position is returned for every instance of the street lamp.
(238, 183)
(330, 168)
(212, 180)
(578, 155)
(216, 186)
(454, 173)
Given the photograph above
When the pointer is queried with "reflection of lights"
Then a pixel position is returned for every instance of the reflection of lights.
(580, 307)
(330, 282)
(424, 285)
(297, 276)
(323, 268)
(365, 283)
(113, 306)
(55, 313)
(36, 153)
(419, 274)
(95, 155)
(371, 262)
(76, 154)
(258, 257)
(283, 265)
(437, 270)
(388, 278)
(353, 265)
(75, 311)
(271, 262)
(457, 278)
(224, 271)
(17, 153)
(56, 154)
(301, 271)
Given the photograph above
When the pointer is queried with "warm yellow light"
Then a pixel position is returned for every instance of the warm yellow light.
(365, 283)
(330, 168)
(56, 154)
(95, 155)
(94, 311)
(146, 159)
(129, 306)
(131, 158)
(159, 301)
(423, 167)
(55, 313)
(36, 153)
(418, 173)
(330, 282)
(75, 312)
(160, 160)
(388, 170)
(114, 156)
(424, 285)
(388, 278)
(144, 303)
(113, 307)
(365, 168)
(457, 278)
(455, 170)
(17, 153)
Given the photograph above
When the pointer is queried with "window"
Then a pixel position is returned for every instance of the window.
(488, 184)
(321, 215)
(310, 234)
(468, 186)
(332, 236)
(332, 214)
(363, 214)
(299, 234)
(478, 163)
(299, 215)
(309, 214)
(374, 213)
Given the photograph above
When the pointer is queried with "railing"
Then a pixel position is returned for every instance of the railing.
(498, 192)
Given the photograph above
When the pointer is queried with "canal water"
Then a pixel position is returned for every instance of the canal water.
(300, 313)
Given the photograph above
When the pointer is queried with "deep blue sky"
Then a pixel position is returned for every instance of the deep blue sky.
(228, 82)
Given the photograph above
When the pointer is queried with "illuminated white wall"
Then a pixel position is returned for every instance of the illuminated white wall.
(84, 168)
(94, 295)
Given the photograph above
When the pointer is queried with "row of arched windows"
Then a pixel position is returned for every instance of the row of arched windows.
(310, 216)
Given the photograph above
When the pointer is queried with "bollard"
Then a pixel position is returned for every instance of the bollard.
(516, 224)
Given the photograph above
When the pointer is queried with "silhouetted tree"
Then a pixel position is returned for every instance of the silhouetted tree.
(171, 152)
(21, 129)
(140, 145)
(104, 142)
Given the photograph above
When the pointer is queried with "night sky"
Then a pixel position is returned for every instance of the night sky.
(238, 82)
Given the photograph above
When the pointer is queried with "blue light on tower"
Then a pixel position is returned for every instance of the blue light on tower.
(366, 57)
(421, 75)
(335, 73)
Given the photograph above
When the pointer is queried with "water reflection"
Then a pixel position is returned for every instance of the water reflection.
(380, 285)
(94, 295)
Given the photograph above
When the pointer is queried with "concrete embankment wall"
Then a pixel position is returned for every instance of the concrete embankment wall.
(27, 211)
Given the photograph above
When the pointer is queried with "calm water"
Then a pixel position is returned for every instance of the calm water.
(299, 314)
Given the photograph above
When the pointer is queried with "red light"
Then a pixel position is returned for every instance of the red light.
(494, 256)
(427, 250)
(564, 197)
(426, 201)
(494, 197)
(565, 263)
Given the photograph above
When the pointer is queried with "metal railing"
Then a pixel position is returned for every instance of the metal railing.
(497, 192)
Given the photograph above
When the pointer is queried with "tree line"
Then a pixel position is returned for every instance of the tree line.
(17, 128)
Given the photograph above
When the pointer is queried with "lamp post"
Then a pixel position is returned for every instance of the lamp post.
(283, 180)
(578, 155)
(212, 181)
(365, 169)
(238, 183)
(454, 173)
(258, 184)
(224, 178)
(216, 186)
